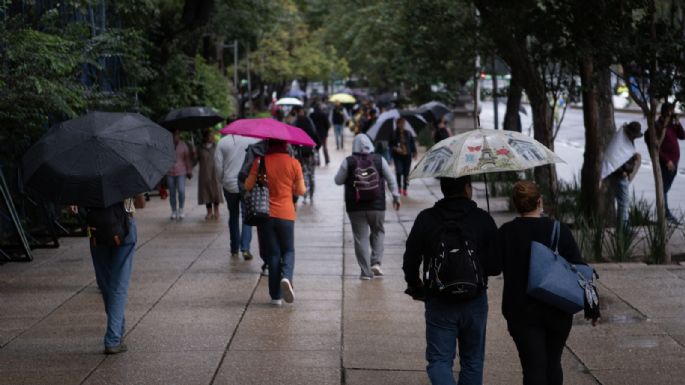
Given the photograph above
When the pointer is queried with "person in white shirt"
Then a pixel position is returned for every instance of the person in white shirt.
(229, 157)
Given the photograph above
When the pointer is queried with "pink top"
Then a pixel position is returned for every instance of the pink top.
(184, 161)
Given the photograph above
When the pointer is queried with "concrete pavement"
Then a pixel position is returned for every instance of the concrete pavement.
(197, 316)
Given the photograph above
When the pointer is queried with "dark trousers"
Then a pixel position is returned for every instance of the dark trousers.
(402, 168)
(668, 177)
(324, 147)
(278, 236)
(540, 343)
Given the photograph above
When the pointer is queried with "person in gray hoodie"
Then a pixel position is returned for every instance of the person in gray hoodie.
(364, 175)
(229, 157)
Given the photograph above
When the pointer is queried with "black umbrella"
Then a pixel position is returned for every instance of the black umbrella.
(191, 118)
(433, 111)
(99, 159)
(384, 127)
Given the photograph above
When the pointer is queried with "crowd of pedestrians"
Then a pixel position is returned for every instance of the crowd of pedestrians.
(456, 323)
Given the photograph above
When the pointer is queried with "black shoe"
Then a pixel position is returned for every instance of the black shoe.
(116, 349)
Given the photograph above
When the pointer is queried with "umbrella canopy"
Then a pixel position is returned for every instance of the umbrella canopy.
(99, 159)
(483, 151)
(289, 102)
(619, 151)
(342, 98)
(385, 125)
(267, 128)
(295, 93)
(191, 118)
(433, 111)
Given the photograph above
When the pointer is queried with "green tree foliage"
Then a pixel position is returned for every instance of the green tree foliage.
(289, 49)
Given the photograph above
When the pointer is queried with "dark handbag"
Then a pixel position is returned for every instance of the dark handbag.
(257, 200)
(557, 282)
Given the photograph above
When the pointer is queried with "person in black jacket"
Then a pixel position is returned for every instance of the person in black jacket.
(305, 154)
(539, 330)
(446, 322)
(322, 125)
(403, 151)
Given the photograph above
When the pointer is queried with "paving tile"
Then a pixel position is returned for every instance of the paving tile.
(36, 368)
(165, 368)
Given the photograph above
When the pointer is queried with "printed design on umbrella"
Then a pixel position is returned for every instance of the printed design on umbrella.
(489, 159)
(436, 160)
(526, 150)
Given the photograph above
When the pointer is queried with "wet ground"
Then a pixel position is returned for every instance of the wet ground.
(198, 316)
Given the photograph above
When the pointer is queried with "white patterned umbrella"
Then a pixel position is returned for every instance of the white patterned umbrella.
(483, 151)
(289, 102)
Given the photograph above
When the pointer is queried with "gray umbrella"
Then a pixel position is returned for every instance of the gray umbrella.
(99, 159)
(191, 118)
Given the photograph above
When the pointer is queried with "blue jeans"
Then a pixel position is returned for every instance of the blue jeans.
(236, 213)
(622, 194)
(448, 324)
(113, 266)
(667, 177)
(338, 131)
(279, 240)
(176, 184)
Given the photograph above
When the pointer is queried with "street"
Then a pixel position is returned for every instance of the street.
(570, 144)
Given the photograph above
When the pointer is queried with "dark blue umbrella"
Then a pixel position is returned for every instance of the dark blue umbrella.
(99, 159)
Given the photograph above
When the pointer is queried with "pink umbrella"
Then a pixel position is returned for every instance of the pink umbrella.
(267, 128)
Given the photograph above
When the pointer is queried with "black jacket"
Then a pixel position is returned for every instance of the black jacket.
(513, 244)
(321, 123)
(478, 225)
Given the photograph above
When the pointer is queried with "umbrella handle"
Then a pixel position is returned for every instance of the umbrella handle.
(487, 196)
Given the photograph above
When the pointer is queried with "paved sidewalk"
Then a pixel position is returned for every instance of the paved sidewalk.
(197, 316)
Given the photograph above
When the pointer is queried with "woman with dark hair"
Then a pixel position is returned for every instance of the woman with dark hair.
(403, 150)
(539, 330)
(669, 150)
(277, 234)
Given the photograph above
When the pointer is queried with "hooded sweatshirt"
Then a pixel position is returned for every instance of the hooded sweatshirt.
(362, 145)
(478, 227)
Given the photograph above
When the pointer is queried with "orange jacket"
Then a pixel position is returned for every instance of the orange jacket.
(284, 177)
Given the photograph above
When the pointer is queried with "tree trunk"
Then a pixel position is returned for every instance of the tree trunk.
(607, 128)
(512, 117)
(592, 158)
(545, 176)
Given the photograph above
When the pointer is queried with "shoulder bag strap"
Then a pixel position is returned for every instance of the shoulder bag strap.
(261, 172)
(554, 243)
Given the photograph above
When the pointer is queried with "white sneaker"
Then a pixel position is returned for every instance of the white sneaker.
(365, 277)
(173, 215)
(288, 293)
(180, 214)
(377, 270)
(265, 270)
(277, 302)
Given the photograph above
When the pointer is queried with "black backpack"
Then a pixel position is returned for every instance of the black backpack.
(366, 179)
(454, 272)
(107, 226)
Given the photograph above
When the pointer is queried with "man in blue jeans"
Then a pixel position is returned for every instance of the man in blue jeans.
(452, 324)
(620, 165)
(229, 157)
(113, 265)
